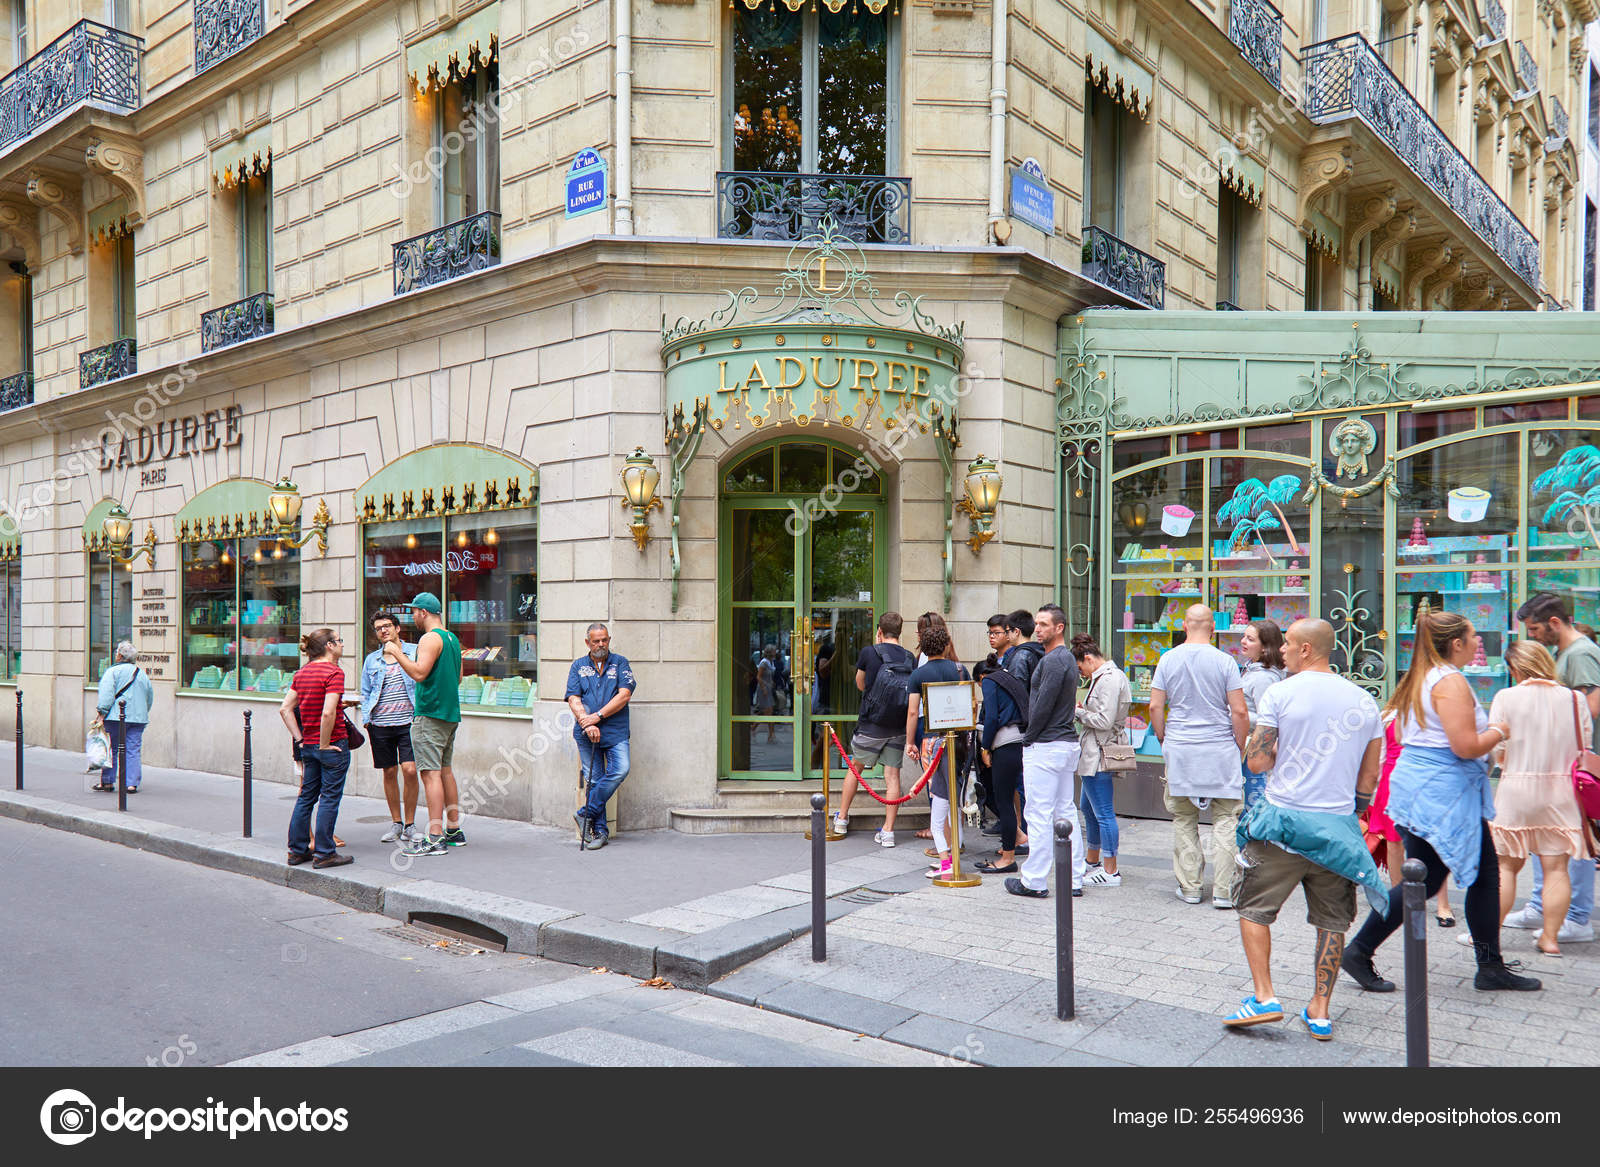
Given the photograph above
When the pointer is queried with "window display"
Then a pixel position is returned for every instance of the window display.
(11, 590)
(110, 612)
(483, 569)
(241, 615)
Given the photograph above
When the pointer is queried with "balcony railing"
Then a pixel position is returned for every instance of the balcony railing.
(89, 64)
(16, 391)
(223, 27)
(452, 250)
(1495, 17)
(766, 204)
(120, 358)
(1559, 126)
(1527, 68)
(1257, 28)
(242, 320)
(1346, 78)
(1124, 268)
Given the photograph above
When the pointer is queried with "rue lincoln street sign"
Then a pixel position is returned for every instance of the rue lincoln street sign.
(586, 184)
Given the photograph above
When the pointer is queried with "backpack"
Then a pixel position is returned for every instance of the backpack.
(1016, 689)
(888, 699)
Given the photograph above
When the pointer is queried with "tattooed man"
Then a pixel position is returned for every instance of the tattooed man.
(1320, 737)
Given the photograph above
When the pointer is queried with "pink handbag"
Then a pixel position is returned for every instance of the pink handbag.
(1585, 770)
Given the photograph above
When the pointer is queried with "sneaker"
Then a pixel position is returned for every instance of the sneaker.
(597, 839)
(1185, 896)
(1504, 976)
(1524, 917)
(1363, 972)
(884, 838)
(1098, 877)
(408, 832)
(1222, 903)
(455, 837)
(939, 871)
(426, 845)
(394, 834)
(1570, 933)
(1320, 1028)
(1253, 1012)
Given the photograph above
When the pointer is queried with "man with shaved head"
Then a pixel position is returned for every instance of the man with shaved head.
(1322, 741)
(1198, 712)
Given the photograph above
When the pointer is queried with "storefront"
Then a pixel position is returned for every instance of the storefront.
(1399, 473)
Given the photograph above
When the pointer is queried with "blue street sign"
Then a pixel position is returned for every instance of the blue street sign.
(1032, 200)
(586, 184)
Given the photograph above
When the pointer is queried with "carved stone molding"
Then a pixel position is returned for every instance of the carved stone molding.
(1479, 295)
(1420, 264)
(123, 165)
(1446, 277)
(1374, 211)
(66, 205)
(21, 223)
(1323, 167)
(1393, 233)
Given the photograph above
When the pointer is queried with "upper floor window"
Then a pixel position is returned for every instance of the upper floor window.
(23, 287)
(126, 307)
(1594, 106)
(466, 140)
(1105, 154)
(1239, 247)
(1319, 21)
(19, 29)
(118, 14)
(255, 235)
(811, 90)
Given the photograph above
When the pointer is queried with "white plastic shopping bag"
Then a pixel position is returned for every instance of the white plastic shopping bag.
(98, 748)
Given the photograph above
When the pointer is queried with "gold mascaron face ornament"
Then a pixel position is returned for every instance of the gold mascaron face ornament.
(1350, 442)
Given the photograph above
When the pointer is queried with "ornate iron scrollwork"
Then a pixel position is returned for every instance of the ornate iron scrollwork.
(242, 320)
(87, 63)
(120, 358)
(1122, 267)
(223, 27)
(763, 204)
(1257, 28)
(452, 250)
(16, 391)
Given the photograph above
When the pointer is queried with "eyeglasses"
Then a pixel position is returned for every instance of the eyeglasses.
(338, 640)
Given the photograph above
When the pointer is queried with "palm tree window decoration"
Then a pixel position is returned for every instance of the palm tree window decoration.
(1575, 482)
(1256, 507)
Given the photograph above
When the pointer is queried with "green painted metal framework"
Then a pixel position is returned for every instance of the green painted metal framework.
(1126, 376)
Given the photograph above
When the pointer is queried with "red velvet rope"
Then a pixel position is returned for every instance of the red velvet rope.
(933, 768)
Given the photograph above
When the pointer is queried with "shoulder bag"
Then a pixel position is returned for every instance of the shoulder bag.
(1585, 770)
(1115, 756)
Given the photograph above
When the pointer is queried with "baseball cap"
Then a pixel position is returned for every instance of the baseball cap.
(427, 601)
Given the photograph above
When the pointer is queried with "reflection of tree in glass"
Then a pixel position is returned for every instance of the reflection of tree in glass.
(852, 93)
(841, 557)
(768, 111)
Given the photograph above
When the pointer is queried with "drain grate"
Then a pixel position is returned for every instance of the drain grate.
(866, 895)
(433, 940)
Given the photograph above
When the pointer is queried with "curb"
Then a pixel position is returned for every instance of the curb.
(532, 929)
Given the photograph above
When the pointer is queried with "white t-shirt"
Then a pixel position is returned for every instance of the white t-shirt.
(1324, 725)
(1431, 731)
(1197, 679)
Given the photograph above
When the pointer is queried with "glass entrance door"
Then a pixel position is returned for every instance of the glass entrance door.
(805, 576)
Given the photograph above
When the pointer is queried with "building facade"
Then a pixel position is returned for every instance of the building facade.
(445, 264)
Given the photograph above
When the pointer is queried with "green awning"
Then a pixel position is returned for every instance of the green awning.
(1118, 74)
(10, 537)
(1246, 176)
(233, 509)
(451, 477)
(108, 222)
(248, 157)
(455, 52)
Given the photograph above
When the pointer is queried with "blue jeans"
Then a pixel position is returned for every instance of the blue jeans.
(601, 789)
(108, 774)
(322, 787)
(1580, 871)
(1255, 785)
(1099, 815)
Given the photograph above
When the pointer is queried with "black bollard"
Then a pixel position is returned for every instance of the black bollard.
(819, 879)
(122, 755)
(19, 739)
(1066, 1005)
(248, 803)
(1415, 897)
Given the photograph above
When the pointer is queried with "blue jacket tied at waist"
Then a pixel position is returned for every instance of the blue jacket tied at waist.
(1333, 841)
(1444, 799)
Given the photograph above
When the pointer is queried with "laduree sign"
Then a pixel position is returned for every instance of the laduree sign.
(179, 437)
(586, 184)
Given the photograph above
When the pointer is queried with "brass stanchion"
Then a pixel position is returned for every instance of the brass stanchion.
(827, 812)
(955, 879)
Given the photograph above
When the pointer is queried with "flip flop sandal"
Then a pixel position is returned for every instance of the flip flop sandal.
(1445, 921)
(924, 834)
(988, 868)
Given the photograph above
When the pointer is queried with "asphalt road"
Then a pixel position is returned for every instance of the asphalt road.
(116, 957)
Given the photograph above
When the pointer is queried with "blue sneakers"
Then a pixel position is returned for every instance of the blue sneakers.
(1321, 1027)
(1253, 1012)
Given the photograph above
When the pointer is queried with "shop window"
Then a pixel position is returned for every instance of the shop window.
(1106, 131)
(466, 140)
(1125, 455)
(241, 614)
(1292, 438)
(1208, 440)
(255, 235)
(812, 91)
(11, 616)
(483, 568)
(110, 593)
(1416, 428)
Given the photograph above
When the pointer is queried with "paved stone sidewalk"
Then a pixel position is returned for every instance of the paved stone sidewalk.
(945, 969)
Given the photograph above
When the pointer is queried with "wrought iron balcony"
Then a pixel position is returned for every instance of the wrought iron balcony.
(1495, 17)
(120, 358)
(1559, 126)
(1527, 68)
(1228, 306)
(16, 391)
(766, 204)
(452, 250)
(242, 320)
(89, 64)
(223, 27)
(1122, 267)
(1346, 78)
(1257, 28)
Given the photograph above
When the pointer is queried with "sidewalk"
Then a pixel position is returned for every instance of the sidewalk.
(688, 907)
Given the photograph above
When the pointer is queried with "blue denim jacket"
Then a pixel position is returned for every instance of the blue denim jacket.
(1333, 841)
(372, 679)
(1444, 799)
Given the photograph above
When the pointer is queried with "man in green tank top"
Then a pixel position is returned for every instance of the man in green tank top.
(437, 672)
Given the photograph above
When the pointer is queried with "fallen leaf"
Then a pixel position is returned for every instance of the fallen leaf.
(658, 983)
(601, 969)
(441, 944)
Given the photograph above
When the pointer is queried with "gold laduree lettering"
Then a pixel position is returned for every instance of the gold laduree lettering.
(919, 377)
(756, 375)
(871, 379)
(838, 373)
(722, 378)
(799, 372)
(897, 374)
